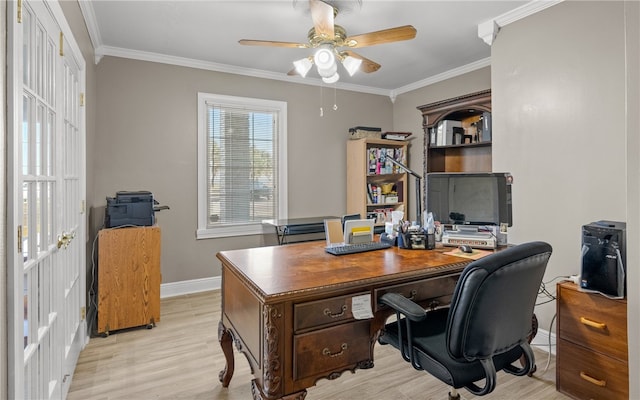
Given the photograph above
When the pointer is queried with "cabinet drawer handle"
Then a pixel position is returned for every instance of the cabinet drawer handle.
(597, 382)
(327, 352)
(412, 295)
(593, 324)
(328, 313)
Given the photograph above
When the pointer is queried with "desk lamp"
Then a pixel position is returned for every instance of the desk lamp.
(418, 186)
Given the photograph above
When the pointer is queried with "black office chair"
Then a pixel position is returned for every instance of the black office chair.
(485, 329)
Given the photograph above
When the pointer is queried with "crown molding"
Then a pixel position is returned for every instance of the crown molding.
(89, 15)
(488, 30)
(230, 69)
(452, 73)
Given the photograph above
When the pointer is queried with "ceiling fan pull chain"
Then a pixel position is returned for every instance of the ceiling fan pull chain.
(335, 102)
(321, 98)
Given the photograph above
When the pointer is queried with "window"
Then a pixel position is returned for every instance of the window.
(241, 164)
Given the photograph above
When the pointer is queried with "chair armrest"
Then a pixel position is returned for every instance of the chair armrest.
(404, 306)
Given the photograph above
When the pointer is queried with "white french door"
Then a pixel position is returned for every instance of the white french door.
(46, 201)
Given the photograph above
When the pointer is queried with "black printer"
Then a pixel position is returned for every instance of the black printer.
(131, 208)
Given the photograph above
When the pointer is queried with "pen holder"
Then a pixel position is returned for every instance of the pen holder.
(418, 241)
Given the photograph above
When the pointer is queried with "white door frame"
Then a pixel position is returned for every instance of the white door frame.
(15, 312)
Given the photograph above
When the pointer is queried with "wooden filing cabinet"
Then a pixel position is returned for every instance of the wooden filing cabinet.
(592, 353)
(128, 278)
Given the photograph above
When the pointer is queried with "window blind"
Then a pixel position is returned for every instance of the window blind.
(241, 165)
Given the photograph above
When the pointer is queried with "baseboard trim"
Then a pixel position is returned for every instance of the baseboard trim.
(542, 340)
(180, 288)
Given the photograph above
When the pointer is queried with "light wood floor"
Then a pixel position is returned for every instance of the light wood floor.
(180, 359)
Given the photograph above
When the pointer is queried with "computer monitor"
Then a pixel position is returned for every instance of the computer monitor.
(470, 198)
(358, 231)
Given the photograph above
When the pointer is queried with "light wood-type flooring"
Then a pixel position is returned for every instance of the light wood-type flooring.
(180, 359)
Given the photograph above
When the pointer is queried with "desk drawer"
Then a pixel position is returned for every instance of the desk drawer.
(439, 289)
(593, 321)
(585, 374)
(322, 313)
(334, 349)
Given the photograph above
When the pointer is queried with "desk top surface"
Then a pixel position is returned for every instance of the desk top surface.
(306, 267)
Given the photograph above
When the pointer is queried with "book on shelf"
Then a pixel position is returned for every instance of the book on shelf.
(378, 163)
(370, 193)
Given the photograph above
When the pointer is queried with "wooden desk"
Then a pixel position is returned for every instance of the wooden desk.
(288, 309)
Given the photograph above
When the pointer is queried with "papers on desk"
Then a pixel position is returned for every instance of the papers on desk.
(361, 307)
(475, 255)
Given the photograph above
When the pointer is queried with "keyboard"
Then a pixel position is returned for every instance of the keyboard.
(343, 249)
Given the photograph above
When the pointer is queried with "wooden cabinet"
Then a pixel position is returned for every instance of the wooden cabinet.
(128, 277)
(592, 354)
(374, 185)
(469, 148)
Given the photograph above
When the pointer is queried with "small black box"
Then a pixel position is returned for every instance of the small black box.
(130, 208)
(604, 258)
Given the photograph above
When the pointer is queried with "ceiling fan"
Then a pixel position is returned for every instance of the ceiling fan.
(330, 39)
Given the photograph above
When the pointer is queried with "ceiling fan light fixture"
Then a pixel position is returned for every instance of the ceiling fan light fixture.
(351, 64)
(303, 66)
(328, 72)
(332, 79)
(324, 57)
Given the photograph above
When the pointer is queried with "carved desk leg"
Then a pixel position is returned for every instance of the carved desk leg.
(226, 342)
(257, 393)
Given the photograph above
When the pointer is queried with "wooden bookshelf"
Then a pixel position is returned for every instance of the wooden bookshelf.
(472, 153)
(367, 169)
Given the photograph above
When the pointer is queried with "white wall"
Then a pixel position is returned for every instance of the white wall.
(561, 126)
(146, 135)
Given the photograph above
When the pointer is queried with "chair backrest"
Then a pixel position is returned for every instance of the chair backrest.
(493, 301)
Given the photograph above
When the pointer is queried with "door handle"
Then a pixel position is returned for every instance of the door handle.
(65, 239)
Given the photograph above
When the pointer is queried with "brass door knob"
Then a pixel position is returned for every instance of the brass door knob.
(65, 238)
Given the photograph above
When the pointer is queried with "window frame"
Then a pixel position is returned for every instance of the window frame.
(249, 228)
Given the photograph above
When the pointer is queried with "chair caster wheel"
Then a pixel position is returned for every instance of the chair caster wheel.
(454, 397)
(533, 371)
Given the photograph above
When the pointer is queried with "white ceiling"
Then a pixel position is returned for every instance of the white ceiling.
(205, 34)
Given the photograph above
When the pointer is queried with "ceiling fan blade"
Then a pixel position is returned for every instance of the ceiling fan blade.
(379, 37)
(293, 72)
(367, 65)
(322, 15)
(272, 43)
